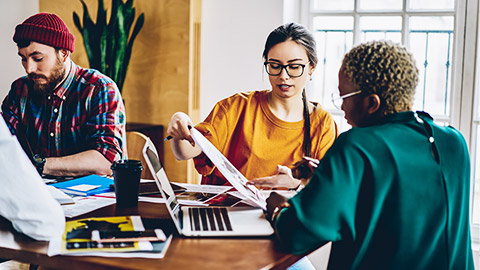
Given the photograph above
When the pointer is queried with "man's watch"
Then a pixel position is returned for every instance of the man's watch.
(39, 163)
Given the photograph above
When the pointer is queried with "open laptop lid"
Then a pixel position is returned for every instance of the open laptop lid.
(163, 184)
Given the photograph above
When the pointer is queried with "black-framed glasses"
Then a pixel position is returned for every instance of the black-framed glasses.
(293, 70)
(338, 100)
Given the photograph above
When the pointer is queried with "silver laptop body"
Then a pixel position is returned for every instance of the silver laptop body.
(206, 221)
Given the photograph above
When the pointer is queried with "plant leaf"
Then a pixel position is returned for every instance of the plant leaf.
(120, 44)
(136, 29)
(101, 36)
(107, 44)
(111, 39)
(89, 38)
(76, 21)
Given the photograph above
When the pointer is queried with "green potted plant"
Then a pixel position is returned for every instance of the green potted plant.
(109, 45)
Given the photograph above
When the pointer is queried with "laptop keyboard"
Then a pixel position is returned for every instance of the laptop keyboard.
(209, 219)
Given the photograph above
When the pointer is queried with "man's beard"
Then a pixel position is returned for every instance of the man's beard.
(55, 78)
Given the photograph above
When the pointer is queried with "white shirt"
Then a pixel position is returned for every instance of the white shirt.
(24, 198)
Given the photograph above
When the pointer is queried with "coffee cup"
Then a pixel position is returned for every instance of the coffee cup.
(126, 177)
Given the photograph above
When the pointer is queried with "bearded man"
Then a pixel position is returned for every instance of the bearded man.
(71, 120)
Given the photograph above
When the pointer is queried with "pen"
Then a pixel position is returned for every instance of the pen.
(170, 137)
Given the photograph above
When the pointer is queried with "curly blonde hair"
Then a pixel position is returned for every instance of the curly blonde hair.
(386, 69)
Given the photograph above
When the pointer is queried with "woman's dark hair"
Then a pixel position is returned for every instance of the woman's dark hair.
(294, 32)
(300, 35)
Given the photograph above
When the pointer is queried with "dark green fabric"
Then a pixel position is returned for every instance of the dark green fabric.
(382, 199)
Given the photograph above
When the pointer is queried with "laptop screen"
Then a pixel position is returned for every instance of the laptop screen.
(171, 199)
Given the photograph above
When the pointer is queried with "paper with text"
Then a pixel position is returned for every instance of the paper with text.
(236, 179)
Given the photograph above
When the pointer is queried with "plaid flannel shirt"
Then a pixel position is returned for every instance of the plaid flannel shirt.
(86, 112)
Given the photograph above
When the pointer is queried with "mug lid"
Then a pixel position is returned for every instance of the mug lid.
(127, 164)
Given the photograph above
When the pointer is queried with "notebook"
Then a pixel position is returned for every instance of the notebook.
(206, 221)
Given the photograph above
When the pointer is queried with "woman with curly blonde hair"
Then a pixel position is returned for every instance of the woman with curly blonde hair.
(392, 192)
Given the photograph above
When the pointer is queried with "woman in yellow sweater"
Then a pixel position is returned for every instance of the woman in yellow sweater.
(258, 130)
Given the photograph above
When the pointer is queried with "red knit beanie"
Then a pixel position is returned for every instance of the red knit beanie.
(45, 28)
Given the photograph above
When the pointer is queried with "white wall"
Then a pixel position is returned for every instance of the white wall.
(233, 37)
(12, 13)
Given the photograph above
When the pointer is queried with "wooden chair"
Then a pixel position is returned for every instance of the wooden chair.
(135, 143)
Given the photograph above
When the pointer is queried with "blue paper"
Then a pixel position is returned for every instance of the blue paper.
(93, 180)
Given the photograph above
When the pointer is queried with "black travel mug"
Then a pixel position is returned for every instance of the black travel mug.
(126, 177)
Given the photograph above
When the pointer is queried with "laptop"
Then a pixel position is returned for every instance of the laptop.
(206, 221)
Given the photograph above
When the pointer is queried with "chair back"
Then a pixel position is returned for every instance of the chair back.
(135, 143)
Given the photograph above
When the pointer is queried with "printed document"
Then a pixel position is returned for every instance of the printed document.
(236, 179)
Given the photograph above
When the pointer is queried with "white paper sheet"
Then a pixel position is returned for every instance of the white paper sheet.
(149, 199)
(203, 188)
(236, 179)
(86, 204)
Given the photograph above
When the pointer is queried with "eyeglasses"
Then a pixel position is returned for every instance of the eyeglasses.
(293, 70)
(338, 100)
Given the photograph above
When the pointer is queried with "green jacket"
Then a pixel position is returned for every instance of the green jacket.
(383, 200)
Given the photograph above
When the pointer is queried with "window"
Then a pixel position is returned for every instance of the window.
(476, 163)
(475, 148)
(429, 35)
(441, 34)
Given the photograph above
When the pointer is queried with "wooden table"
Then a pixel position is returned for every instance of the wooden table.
(183, 253)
